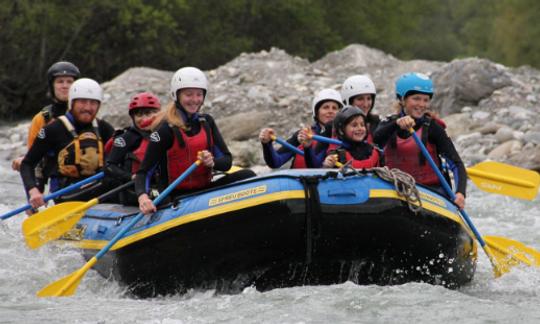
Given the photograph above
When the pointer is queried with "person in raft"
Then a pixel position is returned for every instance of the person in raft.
(185, 135)
(414, 92)
(359, 91)
(324, 108)
(60, 76)
(76, 140)
(350, 128)
(128, 147)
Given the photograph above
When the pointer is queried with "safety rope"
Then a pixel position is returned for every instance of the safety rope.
(404, 183)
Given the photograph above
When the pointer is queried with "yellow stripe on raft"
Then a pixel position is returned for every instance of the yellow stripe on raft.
(221, 209)
(206, 213)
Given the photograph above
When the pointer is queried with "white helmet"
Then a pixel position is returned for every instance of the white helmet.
(85, 89)
(325, 95)
(357, 85)
(188, 77)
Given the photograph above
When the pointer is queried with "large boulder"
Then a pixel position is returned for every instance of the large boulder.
(465, 82)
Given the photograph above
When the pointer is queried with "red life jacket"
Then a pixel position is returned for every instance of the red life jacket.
(406, 157)
(370, 162)
(183, 154)
(299, 162)
(138, 155)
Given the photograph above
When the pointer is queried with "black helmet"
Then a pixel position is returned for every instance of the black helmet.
(61, 68)
(343, 117)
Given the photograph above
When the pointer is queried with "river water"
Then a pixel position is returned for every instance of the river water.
(512, 298)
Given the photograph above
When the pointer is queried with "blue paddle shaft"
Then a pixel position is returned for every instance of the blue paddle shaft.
(446, 187)
(56, 194)
(289, 146)
(329, 140)
(139, 216)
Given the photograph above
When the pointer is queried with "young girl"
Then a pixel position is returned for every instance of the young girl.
(350, 128)
(325, 106)
(185, 135)
(414, 92)
(128, 148)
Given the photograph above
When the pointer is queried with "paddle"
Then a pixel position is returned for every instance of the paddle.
(287, 145)
(504, 259)
(56, 194)
(56, 220)
(296, 149)
(491, 176)
(68, 285)
(505, 179)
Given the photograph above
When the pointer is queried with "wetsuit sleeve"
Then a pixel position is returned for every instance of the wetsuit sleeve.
(122, 146)
(222, 155)
(384, 131)
(276, 159)
(38, 122)
(446, 148)
(314, 157)
(272, 158)
(44, 142)
(160, 141)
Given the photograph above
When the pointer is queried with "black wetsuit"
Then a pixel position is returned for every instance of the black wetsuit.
(51, 140)
(162, 140)
(118, 167)
(388, 130)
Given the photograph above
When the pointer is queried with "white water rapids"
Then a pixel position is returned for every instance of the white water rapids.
(513, 298)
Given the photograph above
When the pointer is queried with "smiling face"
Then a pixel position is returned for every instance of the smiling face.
(364, 102)
(327, 112)
(84, 110)
(416, 104)
(191, 99)
(61, 86)
(355, 129)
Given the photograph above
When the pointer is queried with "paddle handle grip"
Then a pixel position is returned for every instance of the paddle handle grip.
(287, 145)
(446, 186)
(56, 194)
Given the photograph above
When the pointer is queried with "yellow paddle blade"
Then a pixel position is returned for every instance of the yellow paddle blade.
(505, 179)
(233, 169)
(53, 222)
(67, 285)
(509, 253)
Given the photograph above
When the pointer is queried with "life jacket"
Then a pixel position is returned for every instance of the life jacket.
(137, 155)
(407, 156)
(47, 114)
(83, 156)
(183, 154)
(370, 162)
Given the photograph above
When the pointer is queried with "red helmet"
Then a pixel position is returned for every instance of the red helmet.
(144, 100)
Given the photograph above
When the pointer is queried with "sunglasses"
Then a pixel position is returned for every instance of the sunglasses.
(144, 112)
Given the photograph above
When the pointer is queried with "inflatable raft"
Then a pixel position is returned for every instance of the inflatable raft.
(289, 228)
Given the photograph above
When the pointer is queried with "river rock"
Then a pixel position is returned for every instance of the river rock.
(505, 150)
(466, 82)
(504, 134)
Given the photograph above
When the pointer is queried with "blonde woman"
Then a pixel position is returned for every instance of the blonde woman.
(178, 141)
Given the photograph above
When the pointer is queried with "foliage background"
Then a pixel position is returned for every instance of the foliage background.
(104, 38)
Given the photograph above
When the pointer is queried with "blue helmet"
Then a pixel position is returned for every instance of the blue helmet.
(417, 82)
